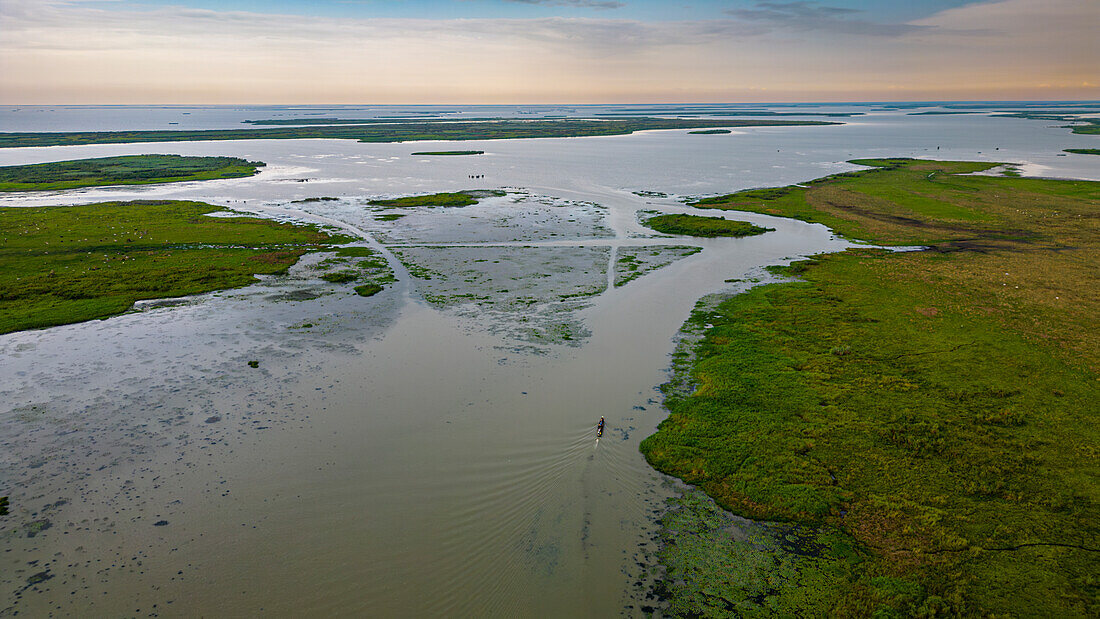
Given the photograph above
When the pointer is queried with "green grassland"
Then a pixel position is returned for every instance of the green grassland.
(66, 264)
(451, 153)
(931, 413)
(125, 170)
(695, 225)
(1083, 151)
(457, 198)
(395, 132)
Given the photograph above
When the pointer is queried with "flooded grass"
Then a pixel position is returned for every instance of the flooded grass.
(368, 290)
(930, 406)
(359, 265)
(508, 218)
(634, 262)
(457, 198)
(528, 293)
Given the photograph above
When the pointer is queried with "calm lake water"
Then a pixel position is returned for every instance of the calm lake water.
(402, 457)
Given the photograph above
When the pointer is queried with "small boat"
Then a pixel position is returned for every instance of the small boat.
(599, 428)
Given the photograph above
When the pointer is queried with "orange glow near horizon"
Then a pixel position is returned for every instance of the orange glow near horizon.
(72, 54)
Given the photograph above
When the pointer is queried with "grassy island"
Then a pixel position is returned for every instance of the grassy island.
(125, 170)
(458, 198)
(924, 421)
(451, 153)
(1083, 151)
(66, 264)
(397, 131)
(695, 225)
(710, 132)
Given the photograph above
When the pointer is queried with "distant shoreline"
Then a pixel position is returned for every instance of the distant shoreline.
(397, 132)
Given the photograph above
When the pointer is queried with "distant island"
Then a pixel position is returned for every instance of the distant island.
(451, 153)
(124, 170)
(399, 131)
(457, 198)
(710, 131)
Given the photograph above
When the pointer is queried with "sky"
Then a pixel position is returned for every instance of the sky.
(545, 51)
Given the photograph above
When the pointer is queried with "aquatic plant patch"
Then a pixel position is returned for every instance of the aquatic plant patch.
(458, 198)
(526, 293)
(500, 219)
(634, 262)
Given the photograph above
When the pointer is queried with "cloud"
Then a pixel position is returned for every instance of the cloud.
(810, 16)
(586, 4)
(67, 51)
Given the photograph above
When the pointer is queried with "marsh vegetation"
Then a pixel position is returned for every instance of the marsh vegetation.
(928, 411)
(65, 264)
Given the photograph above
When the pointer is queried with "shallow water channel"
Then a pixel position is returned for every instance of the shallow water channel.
(413, 453)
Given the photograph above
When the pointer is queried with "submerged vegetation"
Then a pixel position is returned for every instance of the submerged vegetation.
(124, 170)
(696, 225)
(368, 290)
(457, 198)
(360, 265)
(66, 264)
(634, 262)
(931, 413)
(396, 132)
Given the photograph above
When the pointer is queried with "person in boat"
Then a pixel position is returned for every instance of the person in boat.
(599, 428)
